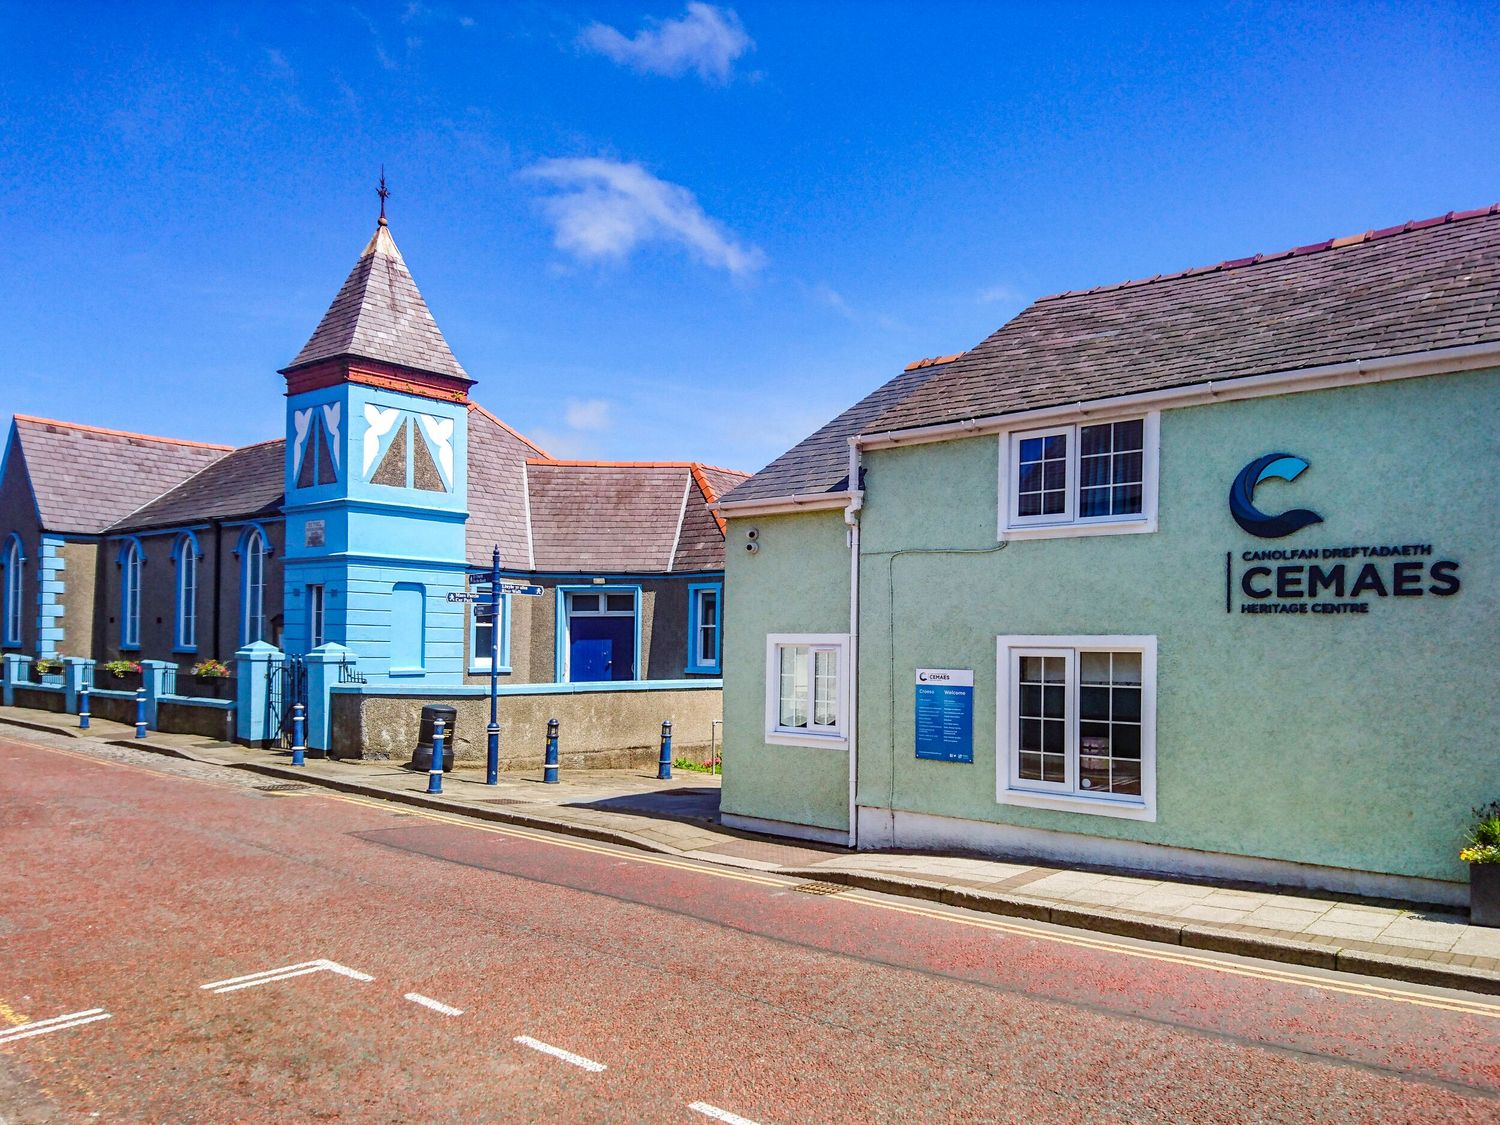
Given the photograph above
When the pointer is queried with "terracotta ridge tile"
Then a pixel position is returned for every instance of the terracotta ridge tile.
(1256, 259)
(934, 361)
(118, 433)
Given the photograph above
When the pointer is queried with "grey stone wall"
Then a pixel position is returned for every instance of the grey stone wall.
(599, 729)
(18, 515)
(190, 718)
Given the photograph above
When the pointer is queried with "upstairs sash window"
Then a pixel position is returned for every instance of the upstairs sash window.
(1080, 479)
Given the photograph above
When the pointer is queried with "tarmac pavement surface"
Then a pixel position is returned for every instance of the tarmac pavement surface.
(178, 943)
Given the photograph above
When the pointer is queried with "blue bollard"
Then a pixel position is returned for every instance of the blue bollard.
(492, 754)
(83, 707)
(299, 735)
(549, 766)
(435, 774)
(140, 712)
(664, 763)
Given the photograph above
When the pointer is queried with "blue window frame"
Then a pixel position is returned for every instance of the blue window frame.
(186, 555)
(705, 627)
(131, 558)
(481, 633)
(14, 562)
(598, 633)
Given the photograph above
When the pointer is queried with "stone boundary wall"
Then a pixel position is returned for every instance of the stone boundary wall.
(598, 729)
(41, 698)
(184, 716)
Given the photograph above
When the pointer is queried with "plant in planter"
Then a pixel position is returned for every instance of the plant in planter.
(206, 671)
(1483, 857)
(121, 669)
(46, 666)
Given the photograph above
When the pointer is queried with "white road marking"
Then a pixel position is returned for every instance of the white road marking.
(719, 1114)
(435, 1005)
(266, 976)
(559, 1053)
(48, 1026)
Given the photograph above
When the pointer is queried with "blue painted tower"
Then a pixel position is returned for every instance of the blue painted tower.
(377, 480)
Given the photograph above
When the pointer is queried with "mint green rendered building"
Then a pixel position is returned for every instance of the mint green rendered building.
(1198, 574)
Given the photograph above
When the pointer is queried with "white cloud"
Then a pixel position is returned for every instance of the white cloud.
(604, 209)
(705, 39)
(587, 414)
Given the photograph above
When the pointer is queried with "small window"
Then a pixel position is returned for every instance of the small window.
(316, 634)
(13, 597)
(1080, 479)
(584, 603)
(187, 594)
(806, 697)
(130, 597)
(1077, 723)
(483, 638)
(703, 628)
(619, 603)
(253, 595)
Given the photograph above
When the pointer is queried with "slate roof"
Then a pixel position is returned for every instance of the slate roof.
(247, 482)
(1418, 287)
(85, 478)
(820, 463)
(497, 491)
(623, 516)
(379, 314)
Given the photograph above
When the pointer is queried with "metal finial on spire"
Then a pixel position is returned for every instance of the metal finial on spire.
(383, 193)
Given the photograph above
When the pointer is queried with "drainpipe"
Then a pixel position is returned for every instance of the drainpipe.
(851, 518)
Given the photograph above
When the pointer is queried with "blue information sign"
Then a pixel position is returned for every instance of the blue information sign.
(945, 714)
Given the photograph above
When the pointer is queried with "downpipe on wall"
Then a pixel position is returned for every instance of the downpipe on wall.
(851, 518)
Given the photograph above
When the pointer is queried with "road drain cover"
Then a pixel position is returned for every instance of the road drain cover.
(503, 801)
(820, 888)
(284, 787)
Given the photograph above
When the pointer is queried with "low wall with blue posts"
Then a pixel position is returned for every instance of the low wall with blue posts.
(602, 725)
(114, 697)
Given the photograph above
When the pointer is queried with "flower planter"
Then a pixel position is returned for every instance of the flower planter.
(212, 687)
(108, 681)
(1484, 894)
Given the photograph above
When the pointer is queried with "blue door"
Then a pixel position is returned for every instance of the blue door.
(601, 648)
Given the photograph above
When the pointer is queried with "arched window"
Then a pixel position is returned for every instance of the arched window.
(187, 593)
(11, 593)
(253, 599)
(130, 596)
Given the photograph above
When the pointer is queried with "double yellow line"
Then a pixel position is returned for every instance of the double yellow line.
(1035, 933)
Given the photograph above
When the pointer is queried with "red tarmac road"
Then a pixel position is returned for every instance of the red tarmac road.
(127, 887)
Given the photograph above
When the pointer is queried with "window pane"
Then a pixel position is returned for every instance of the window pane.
(1031, 735)
(1127, 468)
(1053, 768)
(708, 609)
(1127, 704)
(1054, 503)
(1127, 500)
(1031, 767)
(1094, 502)
(1054, 474)
(1093, 703)
(1054, 701)
(1130, 435)
(1094, 667)
(1126, 667)
(1031, 449)
(793, 705)
(1031, 700)
(1052, 736)
(825, 688)
(1054, 669)
(620, 603)
(1093, 471)
(1055, 447)
(584, 603)
(1093, 440)
(1031, 669)
(1029, 504)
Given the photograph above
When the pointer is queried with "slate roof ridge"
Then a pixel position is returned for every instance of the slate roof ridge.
(1280, 255)
(129, 521)
(86, 428)
(475, 408)
(584, 464)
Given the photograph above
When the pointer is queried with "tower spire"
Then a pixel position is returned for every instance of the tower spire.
(384, 195)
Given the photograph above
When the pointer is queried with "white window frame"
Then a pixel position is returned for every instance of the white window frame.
(479, 658)
(187, 596)
(1012, 525)
(778, 735)
(317, 615)
(1010, 789)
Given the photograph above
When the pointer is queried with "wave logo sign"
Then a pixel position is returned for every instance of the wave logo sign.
(1282, 466)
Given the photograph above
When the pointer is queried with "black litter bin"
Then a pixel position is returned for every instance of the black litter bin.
(421, 757)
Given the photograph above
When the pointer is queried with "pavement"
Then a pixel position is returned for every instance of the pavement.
(631, 808)
(185, 941)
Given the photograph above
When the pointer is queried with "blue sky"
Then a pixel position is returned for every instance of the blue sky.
(662, 231)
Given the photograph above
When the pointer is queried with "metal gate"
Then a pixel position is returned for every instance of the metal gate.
(286, 686)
